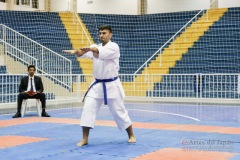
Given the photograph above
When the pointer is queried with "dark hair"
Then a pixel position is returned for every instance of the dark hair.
(105, 27)
(31, 66)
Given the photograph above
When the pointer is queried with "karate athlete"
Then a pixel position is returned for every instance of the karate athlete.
(106, 88)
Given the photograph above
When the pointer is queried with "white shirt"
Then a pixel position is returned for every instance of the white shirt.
(29, 84)
(106, 66)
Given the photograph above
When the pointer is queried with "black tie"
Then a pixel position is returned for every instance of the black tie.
(31, 89)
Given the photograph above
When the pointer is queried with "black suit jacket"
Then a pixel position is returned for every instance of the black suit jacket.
(37, 81)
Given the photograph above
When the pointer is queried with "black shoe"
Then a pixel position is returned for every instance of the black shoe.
(18, 114)
(44, 114)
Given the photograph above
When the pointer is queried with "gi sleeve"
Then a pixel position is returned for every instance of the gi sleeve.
(110, 51)
(88, 54)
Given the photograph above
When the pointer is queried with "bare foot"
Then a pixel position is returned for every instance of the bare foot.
(132, 139)
(82, 143)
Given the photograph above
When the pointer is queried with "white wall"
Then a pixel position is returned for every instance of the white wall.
(228, 3)
(23, 8)
(2, 6)
(41, 5)
(128, 6)
(164, 6)
(59, 5)
(108, 6)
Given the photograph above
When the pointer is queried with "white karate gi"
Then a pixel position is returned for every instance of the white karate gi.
(106, 66)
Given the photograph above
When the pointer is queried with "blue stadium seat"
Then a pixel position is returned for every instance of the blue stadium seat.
(45, 28)
(3, 69)
(139, 37)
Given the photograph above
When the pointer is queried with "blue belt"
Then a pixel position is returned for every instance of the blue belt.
(104, 87)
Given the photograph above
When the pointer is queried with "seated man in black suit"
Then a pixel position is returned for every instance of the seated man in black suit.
(31, 87)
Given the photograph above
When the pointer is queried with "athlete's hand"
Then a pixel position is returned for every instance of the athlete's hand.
(85, 49)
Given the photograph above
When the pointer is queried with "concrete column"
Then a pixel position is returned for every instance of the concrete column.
(47, 5)
(74, 8)
(142, 7)
(214, 4)
(10, 4)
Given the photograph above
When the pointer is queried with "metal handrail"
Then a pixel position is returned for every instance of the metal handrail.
(145, 63)
(37, 68)
(68, 62)
(19, 51)
(34, 42)
(83, 29)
